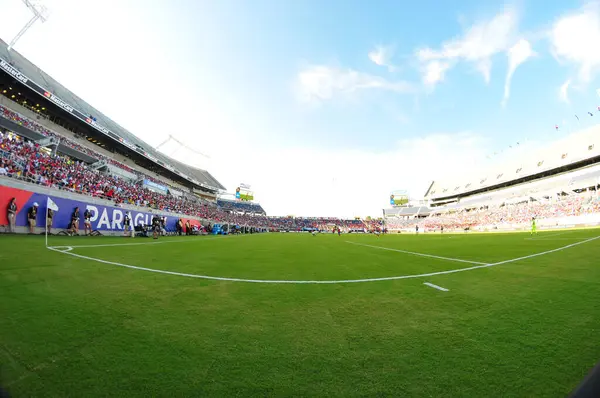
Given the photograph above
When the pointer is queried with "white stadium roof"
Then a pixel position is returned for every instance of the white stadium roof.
(577, 147)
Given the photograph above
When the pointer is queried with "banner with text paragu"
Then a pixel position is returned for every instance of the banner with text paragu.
(399, 198)
(104, 217)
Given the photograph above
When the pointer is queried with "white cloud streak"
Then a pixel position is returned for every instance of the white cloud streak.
(382, 55)
(574, 39)
(477, 45)
(435, 72)
(318, 83)
(517, 54)
(563, 92)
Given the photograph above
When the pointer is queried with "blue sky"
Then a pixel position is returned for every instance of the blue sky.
(342, 101)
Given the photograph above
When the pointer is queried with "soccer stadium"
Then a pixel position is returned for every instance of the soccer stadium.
(127, 272)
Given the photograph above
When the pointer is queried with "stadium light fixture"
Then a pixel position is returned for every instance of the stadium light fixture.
(40, 12)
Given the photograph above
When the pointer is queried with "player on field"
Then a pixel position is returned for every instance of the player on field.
(533, 226)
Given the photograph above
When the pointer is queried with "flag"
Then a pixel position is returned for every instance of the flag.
(590, 113)
(51, 205)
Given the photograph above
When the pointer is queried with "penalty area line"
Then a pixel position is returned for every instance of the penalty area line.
(546, 252)
(418, 254)
(443, 289)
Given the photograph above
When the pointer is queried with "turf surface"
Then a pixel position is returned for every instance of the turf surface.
(76, 327)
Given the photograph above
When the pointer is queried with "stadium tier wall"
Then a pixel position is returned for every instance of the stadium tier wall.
(107, 218)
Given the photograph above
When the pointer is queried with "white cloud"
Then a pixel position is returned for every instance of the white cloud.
(563, 92)
(435, 72)
(382, 55)
(574, 39)
(517, 54)
(478, 44)
(324, 83)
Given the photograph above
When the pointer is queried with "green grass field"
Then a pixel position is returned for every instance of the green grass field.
(73, 326)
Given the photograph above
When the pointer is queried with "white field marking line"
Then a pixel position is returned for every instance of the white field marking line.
(316, 282)
(546, 252)
(418, 254)
(544, 236)
(142, 243)
(443, 289)
(63, 248)
(556, 239)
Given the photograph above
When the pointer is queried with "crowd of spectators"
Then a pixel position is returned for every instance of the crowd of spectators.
(515, 214)
(38, 128)
(502, 215)
(240, 206)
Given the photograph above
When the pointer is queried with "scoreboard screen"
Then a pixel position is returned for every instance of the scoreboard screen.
(399, 198)
(248, 196)
(244, 194)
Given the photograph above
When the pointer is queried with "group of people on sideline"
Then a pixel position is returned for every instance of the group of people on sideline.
(157, 226)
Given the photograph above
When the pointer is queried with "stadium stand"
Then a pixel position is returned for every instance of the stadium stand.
(25, 83)
(557, 184)
(239, 206)
(569, 154)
